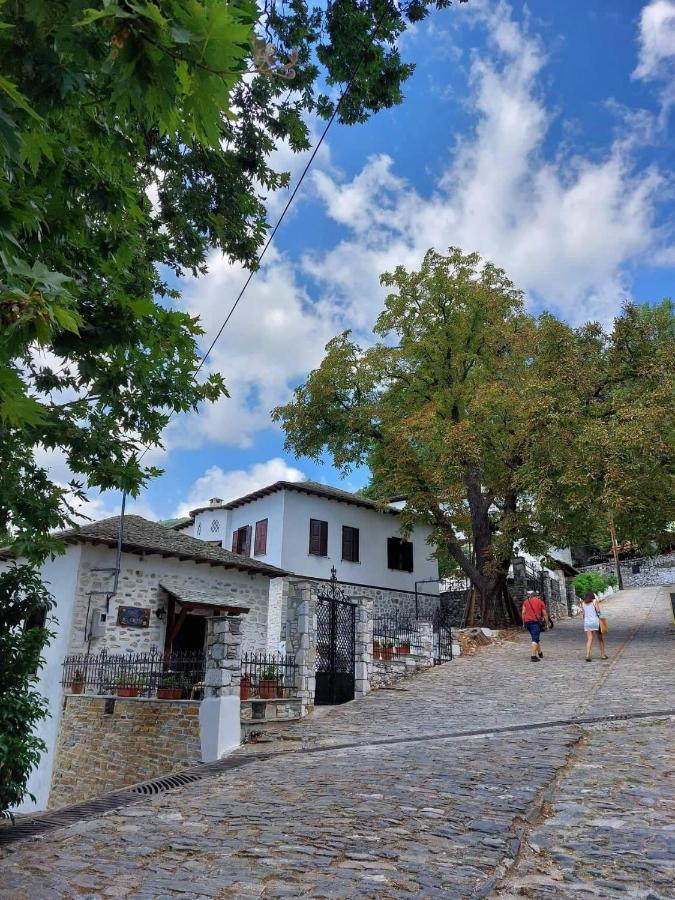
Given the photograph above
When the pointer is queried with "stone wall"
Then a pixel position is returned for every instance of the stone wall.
(98, 751)
(383, 673)
(139, 585)
(646, 570)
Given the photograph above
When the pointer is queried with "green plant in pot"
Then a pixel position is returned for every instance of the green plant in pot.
(267, 683)
(388, 650)
(77, 683)
(171, 687)
(128, 685)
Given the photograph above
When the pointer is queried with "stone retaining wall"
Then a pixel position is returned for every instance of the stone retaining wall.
(384, 674)
(138, 740)
(642, 572)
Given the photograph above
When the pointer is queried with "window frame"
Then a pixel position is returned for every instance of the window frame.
(322, 552)
(355, 542)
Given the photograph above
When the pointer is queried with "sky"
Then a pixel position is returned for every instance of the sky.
(538, 134)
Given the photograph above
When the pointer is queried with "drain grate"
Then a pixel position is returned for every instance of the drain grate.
(166, 783)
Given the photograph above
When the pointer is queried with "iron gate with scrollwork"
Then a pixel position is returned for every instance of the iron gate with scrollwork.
(335, 646)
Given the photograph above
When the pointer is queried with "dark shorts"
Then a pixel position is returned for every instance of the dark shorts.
(535, 631)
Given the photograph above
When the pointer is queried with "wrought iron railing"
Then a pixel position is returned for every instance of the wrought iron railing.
(395, 636)
(170, 676)
(267, 676)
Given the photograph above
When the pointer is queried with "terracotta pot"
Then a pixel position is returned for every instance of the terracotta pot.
(267, 688)
(169, 693)
(387, 654)
(77, 687)
(245, 687)
(127, 691)
(403, 650)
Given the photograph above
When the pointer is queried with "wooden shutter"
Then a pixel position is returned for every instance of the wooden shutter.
(260, 537)
(393, 560)
(350, 543)
(318, 537)
(248, 532)
(235, 548)
(315, 537)
(407, 556)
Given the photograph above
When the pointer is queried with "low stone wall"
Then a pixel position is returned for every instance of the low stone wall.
(384, 674)
(642, 572)
(98, 751)
(270, 710)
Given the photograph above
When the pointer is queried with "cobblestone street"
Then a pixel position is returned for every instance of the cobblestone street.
(413, 807)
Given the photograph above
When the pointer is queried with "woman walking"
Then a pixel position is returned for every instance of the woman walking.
(592, 615)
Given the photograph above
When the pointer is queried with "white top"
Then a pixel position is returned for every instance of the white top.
(591, 618)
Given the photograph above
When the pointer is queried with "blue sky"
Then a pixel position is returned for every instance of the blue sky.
(540, 136)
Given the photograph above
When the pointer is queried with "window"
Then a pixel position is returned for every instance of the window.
(241, 540)
(318, 537)
(399, 554)
(260, 537)
(350, 543)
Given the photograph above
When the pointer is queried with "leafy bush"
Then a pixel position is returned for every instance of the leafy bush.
(593, 581)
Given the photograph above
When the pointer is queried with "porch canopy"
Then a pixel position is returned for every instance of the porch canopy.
(190, 598)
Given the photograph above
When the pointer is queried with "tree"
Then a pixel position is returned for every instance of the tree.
(103, 104)
(499, 428)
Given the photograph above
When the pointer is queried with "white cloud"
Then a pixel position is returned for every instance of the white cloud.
(236, 483)
(275, 336)
(564, 229)
(656, 40)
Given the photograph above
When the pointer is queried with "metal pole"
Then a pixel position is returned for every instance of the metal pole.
(615, 551)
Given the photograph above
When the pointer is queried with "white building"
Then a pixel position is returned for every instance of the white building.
(308, 528)
(168, 584)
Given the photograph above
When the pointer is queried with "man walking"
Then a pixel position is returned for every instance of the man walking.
(535, 618)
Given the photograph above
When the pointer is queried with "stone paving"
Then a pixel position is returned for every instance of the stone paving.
(566, 811)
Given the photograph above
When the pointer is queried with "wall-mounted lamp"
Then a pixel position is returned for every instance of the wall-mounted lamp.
(160, 613)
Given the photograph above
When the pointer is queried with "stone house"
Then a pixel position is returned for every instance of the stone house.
(160, 597)
(309, 528)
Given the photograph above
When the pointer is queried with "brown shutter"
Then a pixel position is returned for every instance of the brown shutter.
(355, 545)
(260, 537)
(234, 542)
(392, 553)
(347, 543)
(318, 537)
(248, 531)
(407, 556)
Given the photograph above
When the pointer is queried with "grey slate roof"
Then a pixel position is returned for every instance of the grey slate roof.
(187, 594)
(143, 536)
(302, 487)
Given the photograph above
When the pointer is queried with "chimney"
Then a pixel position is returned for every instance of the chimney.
(215, 501)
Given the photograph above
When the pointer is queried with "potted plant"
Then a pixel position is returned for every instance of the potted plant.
(267, 685)
(77, 683)
(245, 686)
(128, 685)
(388, 651)
(170, 687)
(377, 649)
(403, 649)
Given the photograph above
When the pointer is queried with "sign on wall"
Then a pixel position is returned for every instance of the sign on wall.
(133, 617)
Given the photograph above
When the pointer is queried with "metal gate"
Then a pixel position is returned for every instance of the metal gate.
(442, 636)
(335, 646)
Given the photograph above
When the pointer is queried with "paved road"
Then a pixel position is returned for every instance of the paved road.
(553, 811)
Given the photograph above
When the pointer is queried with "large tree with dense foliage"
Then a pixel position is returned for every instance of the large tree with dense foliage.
(497, 426)
(103, 104)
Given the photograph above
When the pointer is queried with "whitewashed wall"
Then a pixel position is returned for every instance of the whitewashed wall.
(374, 529)
(60, 575)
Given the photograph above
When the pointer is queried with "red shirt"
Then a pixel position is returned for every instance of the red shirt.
(533, 609)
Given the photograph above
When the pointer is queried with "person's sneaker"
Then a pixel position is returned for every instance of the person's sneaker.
(534, 658)
(541, 655)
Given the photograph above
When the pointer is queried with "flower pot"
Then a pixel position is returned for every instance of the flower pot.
(127, 691)
(387, 654)
(377, 649)
(169, 693)
(245, 687)
(267, 688)
(403, 650)
(76, 687)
